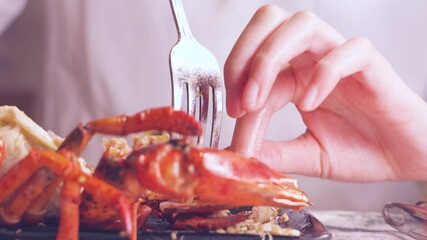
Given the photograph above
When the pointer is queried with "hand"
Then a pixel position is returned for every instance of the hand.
(363, 123)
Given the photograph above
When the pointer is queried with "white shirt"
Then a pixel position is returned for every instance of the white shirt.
(72, 61)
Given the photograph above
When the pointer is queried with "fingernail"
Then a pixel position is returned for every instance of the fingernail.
(233, 105)
(240, 114)
(250, 98)
(310, 98)
(236, 113)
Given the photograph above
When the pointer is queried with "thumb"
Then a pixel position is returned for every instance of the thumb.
(302, 156)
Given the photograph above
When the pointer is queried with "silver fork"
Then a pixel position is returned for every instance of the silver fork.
(196, 71)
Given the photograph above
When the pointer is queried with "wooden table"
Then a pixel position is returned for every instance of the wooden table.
(356, 225)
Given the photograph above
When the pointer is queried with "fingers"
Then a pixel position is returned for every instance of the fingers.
(299, 156)
(250, 129)
(301, 33)
(302, 155)
(249, 132)
(236, 68)
(356, 56)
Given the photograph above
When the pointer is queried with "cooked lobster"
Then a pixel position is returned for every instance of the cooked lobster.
(120, 192)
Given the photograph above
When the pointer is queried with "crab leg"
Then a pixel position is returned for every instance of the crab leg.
(35, 212)
(115, 197)
(11, 213)
(69, 213)
(162, 119)
(28, 198)
(24, 199)
(70, 202)
(61, 166)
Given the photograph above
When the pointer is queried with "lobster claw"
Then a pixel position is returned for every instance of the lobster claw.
(229, 178)
(179, 169)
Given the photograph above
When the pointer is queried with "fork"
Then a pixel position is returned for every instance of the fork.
(195, 70)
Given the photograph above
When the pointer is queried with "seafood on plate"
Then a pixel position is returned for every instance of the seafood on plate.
(173, 179)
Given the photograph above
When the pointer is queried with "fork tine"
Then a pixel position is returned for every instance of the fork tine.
(192, 91)
(177, 95)
(217, 115)
(204, 107)
(192, 97)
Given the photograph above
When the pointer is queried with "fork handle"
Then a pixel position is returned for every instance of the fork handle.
(181, 22)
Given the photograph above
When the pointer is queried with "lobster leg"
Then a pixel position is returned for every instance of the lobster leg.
(11, 213)
(35, 212)
(141, 215)
(162, 119)
(69, 213)
(64, 168)
(24, 200)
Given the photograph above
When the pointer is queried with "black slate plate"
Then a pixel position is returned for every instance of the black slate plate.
(310, 227)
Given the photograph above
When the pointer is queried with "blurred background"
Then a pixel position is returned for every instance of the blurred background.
(65, 62)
